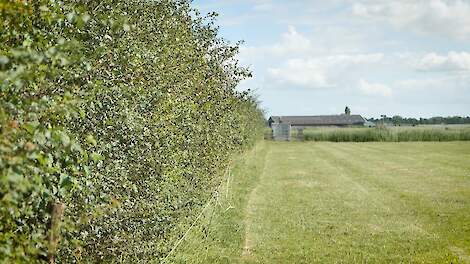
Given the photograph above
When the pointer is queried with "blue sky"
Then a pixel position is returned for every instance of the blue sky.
(309, 57)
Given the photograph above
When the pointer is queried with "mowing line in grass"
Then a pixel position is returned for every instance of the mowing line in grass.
(250, 210)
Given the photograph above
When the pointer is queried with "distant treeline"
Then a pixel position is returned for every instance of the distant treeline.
(398, 120)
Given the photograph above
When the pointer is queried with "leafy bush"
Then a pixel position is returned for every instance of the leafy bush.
(125, 112)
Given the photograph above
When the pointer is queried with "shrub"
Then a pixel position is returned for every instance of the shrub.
(123, 111)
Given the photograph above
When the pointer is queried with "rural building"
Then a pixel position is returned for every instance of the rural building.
(316, 121)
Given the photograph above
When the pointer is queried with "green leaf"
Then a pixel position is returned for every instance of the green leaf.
(65, 181)
(3, 60)
(96, 157)
(40, 138)
(91, 140)
(30, 126)
(14, 177)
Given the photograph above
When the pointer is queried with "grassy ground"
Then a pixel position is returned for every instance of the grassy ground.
(220, 234)
(341, 203)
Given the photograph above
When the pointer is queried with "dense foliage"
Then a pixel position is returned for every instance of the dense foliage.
(125, 112)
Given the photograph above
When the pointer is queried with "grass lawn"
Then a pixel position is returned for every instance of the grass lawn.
(307, 202)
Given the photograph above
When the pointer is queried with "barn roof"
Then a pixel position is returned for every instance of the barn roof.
(325, 120)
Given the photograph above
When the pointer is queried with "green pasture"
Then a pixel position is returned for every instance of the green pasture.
(323, 202)
(387, 134)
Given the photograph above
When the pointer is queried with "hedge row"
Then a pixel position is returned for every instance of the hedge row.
(121, 113)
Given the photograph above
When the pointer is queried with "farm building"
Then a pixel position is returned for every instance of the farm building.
(315, 121)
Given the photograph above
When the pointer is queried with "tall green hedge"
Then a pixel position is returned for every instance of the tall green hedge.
(125, 112)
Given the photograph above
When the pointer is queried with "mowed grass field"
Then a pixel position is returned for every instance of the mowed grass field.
(322, 202)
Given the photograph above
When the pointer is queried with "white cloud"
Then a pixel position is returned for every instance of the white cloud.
(264, 6)
(453, 61)
(421, 85)
(444, 17)
(321, 72)
(374, 89)
(300, 72)
(302, 62)
(355, 59)
(291, 42)
(445, 83)
(296, 44)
